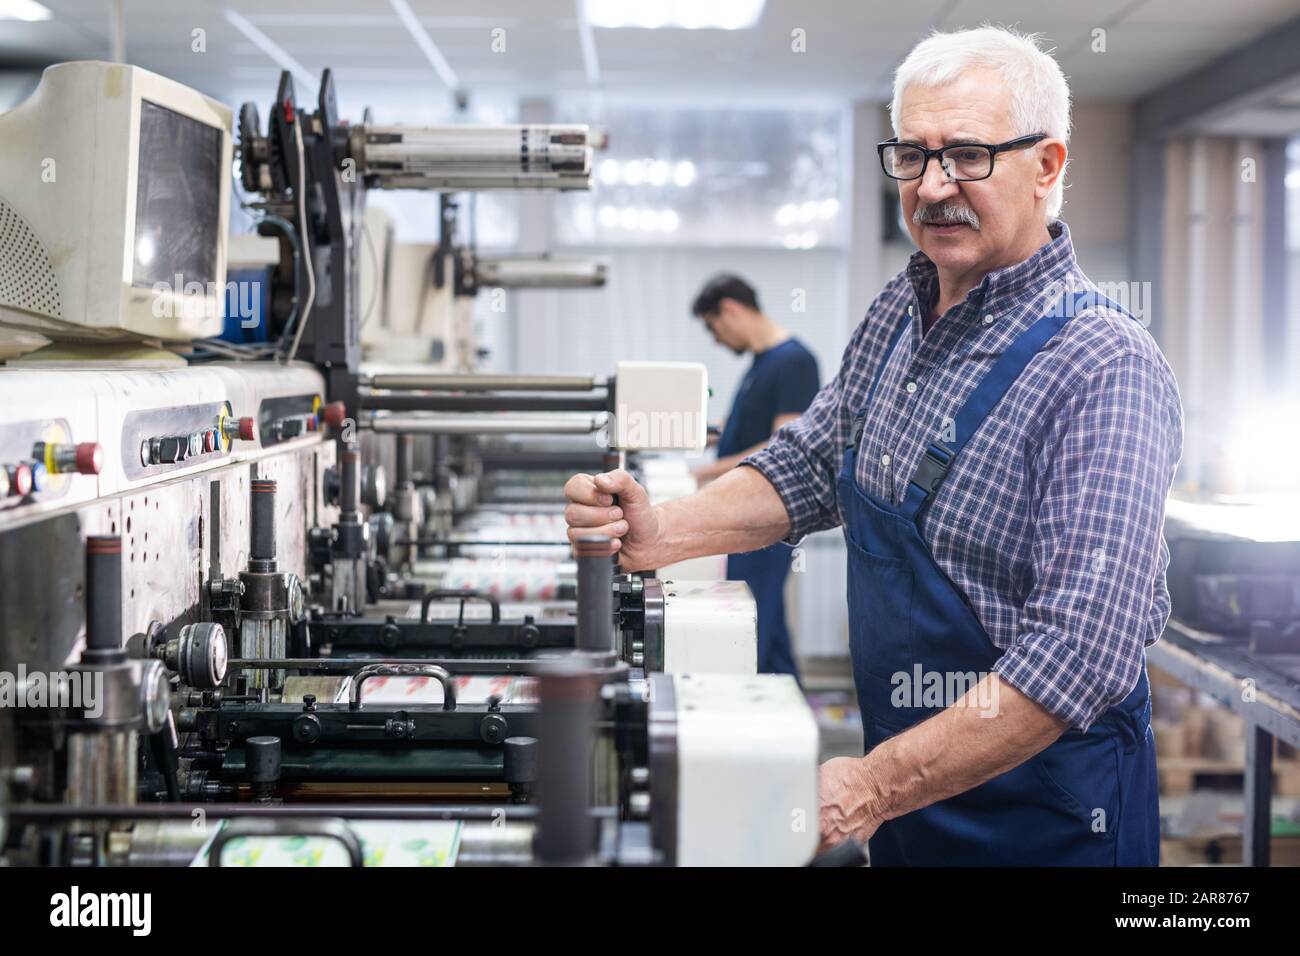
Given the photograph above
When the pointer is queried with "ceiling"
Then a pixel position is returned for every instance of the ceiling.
(851, 47)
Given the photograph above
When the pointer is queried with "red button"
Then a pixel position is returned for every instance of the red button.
(335, 414)
(90, 458)
(21, 481)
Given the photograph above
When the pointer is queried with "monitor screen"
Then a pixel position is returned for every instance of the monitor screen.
(178, 191)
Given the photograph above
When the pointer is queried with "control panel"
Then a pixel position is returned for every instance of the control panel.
(160, 439)
(287, 417)
(40, 459)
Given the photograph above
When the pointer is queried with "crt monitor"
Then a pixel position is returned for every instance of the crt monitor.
(114, 207)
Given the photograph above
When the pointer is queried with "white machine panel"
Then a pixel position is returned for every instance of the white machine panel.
(121, 408)
(661, 406)
(746, 771)
(709, 627)
(49, 406)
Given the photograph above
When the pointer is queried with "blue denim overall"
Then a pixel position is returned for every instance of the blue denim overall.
(1089, 799)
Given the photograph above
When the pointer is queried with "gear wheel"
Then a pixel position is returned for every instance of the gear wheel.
(252, 147)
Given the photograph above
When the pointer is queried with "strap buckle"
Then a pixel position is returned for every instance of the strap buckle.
(855, 434)
(933, 468)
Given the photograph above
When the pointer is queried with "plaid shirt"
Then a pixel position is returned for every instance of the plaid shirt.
(1051, 520)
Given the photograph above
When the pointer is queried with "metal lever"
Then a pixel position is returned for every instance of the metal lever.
(331, 828)
(464, 594)
(404, 670)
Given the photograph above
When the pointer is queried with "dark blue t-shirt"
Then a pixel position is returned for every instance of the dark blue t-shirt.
(781, 381)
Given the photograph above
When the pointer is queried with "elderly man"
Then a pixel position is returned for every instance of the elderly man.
(997, 445)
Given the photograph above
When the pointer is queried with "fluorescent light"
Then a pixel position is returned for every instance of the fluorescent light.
(684, 173)
(28, 10)
(633, 174)
(608, 217)
(425, 43)
(657, 173)
(271, 48)
(786, 214)
(668, 220)
(683, 14)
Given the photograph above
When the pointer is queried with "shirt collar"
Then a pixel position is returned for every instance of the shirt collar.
(1051, 261)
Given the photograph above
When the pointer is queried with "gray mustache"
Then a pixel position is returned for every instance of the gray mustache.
(945, 214)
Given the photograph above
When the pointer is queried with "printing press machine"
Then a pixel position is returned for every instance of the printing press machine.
(210, 602)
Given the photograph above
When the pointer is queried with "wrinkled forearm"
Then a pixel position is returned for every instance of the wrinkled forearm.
(992, 729)
(738, 512)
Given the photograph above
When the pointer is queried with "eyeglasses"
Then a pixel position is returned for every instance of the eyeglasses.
(962, 162)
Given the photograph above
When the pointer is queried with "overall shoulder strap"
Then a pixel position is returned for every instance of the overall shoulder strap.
(939, 456)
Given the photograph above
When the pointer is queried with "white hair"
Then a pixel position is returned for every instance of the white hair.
(1040, 96)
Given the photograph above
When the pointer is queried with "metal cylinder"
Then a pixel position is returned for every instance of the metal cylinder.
(262, 546)
(532, 272)
(569, 692)
(104, 593)
(102, 768)
(485, 402)
(262, 759)
(520, 759)
(483, 423)
(350, 482)
(405, 454)
(595, 594)
(434, 382)
(496, 844)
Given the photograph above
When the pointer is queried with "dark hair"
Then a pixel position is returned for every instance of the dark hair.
(724, 286)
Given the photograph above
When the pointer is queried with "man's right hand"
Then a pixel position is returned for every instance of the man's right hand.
(633, 524)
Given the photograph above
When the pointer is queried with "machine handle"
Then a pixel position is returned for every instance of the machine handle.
(463, 594)
(331, 827)
(848, 853)
(404, 670)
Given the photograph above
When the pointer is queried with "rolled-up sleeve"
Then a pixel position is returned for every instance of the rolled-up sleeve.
(1099, 482)
(802, 460)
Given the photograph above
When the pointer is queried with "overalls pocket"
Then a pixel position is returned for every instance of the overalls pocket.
(880, 605)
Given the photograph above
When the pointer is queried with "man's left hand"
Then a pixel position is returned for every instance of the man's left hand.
(845, 790)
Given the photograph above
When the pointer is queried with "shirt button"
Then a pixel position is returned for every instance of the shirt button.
(909, 310)
(911, 388)
(988, 319)
(885, 460)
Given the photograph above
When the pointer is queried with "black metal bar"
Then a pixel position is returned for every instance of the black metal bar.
(104, 593)
(1257, 820)
(262, 517)
(405, 454)
(568, 692)
(350, 482)
(462, 595)
(542, 461)
(595, 594)
(523, 667)
(455, 543)
(220, 811)
(399, 402)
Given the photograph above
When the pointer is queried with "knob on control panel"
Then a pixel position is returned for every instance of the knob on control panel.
(334, 414)
(61, 458)
(18, 480)
(238, 429)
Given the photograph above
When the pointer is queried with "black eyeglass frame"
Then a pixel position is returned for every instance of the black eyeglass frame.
(1020, 142)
